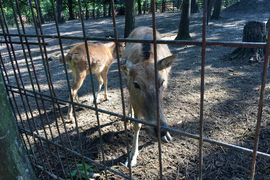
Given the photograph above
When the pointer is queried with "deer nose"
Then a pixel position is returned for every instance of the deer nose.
(162, 132)
(123, 62)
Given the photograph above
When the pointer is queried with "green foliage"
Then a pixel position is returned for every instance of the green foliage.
(24, 10)
(9, 16)
(81, 170)
(46, 7)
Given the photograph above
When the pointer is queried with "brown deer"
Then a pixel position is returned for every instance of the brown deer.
(138, 67)
(101, 58)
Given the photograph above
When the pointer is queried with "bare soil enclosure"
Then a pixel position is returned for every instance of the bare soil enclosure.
(232, 89)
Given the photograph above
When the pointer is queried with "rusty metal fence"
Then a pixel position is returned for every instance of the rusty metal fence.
(45, 157)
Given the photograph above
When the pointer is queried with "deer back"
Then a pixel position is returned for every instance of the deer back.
(100, 56)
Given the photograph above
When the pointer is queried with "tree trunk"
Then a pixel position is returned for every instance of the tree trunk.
(40, 12)
(226, 3)
(267, 26)
(183, 32)
(130, 17)
(86, 11)
(209, 9)
(217, 8)
(179, 4)
(110, 9)
(163, 6)
(14, 162)
(253, 32)
(94, 9)
(70, 10)
(59, 7)
(104, 10)
(139, 7)
(145, 6)
(194, 6)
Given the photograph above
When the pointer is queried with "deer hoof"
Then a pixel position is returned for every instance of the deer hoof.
(106, 98)
(69, 119)
(97, 100)
(167, 138)
(133, 162)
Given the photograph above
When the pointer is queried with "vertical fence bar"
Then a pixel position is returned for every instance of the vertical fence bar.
(202, 90)
(93, 89)
(21, 95)
(19, 114)
(52, 93)
(30, 77)
(13, 109)
(121, 87)
(22, 92)
(48, 77)
(69, 89)
(157, 89)
(259, 117)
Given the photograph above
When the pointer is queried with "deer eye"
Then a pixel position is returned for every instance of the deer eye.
(161, 84)
(136, 85)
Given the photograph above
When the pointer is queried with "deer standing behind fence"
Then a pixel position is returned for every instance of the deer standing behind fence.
(101, 58)
(138, 67)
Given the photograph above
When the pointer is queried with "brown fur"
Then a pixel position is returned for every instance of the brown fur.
(138, 68)
(133, 51)
(101, 58)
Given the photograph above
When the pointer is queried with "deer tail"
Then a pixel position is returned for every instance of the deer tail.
(61, 59)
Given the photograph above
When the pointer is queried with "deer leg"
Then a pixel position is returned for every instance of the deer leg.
(105, 75)
(130, 115)
(78, 79)
(135, 145)
(130, 110)
(100, 80)
(76, 97)
(73, 80)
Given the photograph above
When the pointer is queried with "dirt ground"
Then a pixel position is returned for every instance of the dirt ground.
(232, 90)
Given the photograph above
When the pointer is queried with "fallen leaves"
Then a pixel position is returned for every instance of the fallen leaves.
(181, 178)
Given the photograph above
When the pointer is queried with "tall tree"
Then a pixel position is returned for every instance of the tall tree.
(70, 10)
(110, 9)
(104, 9)
(139, 7)
(209, 9)
(179, 4)
(217, 8)
(94, 9)
(86, 10)
(129, 17)
(40, 12)
(226, 3)
(183, 32)
(59, 8)
(163, 6)
(14, 162)
(195, 6)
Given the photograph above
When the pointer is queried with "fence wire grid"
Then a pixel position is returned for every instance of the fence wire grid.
(53, 159)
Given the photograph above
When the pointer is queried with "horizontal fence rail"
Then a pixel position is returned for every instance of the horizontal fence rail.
(50, 155)
(174, 42)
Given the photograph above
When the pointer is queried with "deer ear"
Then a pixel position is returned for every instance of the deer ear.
(123, 44)
(166, 62)
(125, 66)
(112, 46)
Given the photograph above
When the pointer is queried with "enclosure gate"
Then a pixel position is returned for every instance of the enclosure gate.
(20, 96)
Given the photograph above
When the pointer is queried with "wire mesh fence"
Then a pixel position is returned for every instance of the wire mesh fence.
(38, 98)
